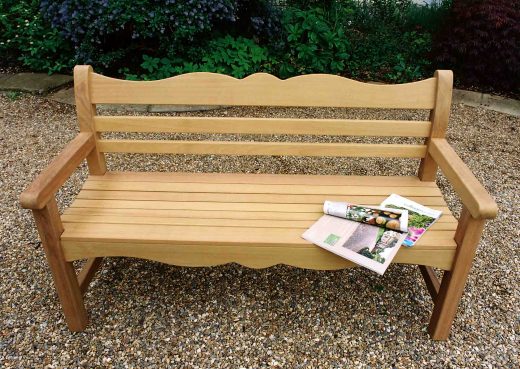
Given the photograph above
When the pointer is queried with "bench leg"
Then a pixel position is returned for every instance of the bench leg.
(467, 237)
(50, 230)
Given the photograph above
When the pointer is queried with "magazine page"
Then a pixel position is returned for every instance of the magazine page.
(396, 219)
(420, 218)
(367, 245)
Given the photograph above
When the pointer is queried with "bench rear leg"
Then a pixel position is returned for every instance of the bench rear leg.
(467, 237)
(50, 229)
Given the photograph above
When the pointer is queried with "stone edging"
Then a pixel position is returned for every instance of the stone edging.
(487, 101)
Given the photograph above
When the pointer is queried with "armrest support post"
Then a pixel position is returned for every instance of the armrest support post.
(43, 188)
(473, 195)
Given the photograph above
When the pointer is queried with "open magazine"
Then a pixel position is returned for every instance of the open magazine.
(420, 218)
(369, 236)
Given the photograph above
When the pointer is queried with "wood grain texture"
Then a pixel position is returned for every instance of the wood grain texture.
(50, 228)
(87, 273)
(196, 255)
(261, 178)
(93, 217)
(207, 205)
(252, 188)
(235, 214)
(262, 89)
(43, 188)
(156, 233)
(263, 148)
(453, 282)
(269, 126)
(86, 111)
(431, 280)
(243, 188)
(203, 214)
(439, 117)
(473, 195)
(246, 197)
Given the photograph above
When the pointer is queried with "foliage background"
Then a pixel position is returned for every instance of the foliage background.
(377, 40)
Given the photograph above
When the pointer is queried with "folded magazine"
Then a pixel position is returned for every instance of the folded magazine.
(367, 235)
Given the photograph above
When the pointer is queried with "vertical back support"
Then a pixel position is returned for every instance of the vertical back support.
(86, 112)
(439, 117)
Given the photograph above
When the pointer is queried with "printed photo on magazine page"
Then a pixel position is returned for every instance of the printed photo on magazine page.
(420, 218)
(367, 245)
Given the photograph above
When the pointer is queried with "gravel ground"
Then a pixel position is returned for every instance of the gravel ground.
(146, 314)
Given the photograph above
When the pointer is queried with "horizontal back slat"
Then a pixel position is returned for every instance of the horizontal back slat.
(339, 127)
(263, 89)
(262, 148)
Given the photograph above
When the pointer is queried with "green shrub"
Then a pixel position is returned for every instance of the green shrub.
(314, 44)
(238, 57)
(25, 37)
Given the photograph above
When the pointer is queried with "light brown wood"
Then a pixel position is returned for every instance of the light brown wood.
(310, 256)
(230, 197)
(328, 190)
(202, 214)
(259, 178)
(473, 195)
(453, 282)
(88, 272)
(86, 111)
(431, 280)
(270, 126)
(206, 206)
(439, 116)
(43, 188)
(212, 235)
(92, 217)
(65, 281)
(262, 89)
(263, 148)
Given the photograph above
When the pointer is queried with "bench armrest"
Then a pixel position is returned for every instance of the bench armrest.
(473, 195)
(41, 190)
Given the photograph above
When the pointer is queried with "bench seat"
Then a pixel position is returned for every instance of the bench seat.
(195, 219)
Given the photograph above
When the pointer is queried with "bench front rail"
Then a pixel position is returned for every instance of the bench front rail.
(137, 214)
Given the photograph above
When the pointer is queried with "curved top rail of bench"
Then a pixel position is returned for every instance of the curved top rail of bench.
(260, 89)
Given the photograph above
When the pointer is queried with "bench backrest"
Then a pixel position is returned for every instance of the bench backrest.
(260, 89)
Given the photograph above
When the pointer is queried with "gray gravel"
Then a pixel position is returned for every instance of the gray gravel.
(146, 314)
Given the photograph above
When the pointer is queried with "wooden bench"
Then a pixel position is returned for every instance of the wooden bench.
(253, 219)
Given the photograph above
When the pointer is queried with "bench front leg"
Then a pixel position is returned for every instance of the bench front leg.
(467, 238)
(50, 229)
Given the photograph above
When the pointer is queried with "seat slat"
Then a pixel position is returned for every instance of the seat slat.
(253, 223)
(262, 148)
(261, 188)
(211, 214)
(269, 126)
(230, 197)
(262, 89)
(211, 235)
(200, 205)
